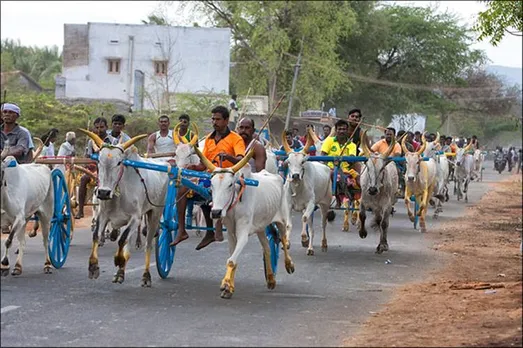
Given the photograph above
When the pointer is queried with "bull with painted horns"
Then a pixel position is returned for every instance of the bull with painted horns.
(308, 185)
(442, 175)
(379, 184)
(125, 195)
(463, 171)
(246, 210)
(420, 180)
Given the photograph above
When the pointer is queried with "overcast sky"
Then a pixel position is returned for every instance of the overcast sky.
(41, 23)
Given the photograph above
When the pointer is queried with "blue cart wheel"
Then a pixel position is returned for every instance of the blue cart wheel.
(60, 232)
(274, 245)
(163, 251)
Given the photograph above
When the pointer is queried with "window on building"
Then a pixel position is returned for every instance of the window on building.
(113, 66)
(160, 68)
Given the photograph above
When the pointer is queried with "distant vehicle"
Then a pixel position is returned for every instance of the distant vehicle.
(500, 162)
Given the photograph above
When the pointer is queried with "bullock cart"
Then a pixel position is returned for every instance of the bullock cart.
(168, 228)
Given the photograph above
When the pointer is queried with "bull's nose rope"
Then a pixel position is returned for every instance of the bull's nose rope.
(239, 197)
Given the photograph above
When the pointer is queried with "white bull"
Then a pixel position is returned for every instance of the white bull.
(125, 195)
(479, 158)
(246, 210)
(379, 184)
(420, 180)
(19, 201)
(308, 185)
(463, 171)
(442, 175)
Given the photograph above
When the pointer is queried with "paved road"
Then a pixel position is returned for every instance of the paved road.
(323, 302)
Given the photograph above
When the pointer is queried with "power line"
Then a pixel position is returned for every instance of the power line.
(371, 80)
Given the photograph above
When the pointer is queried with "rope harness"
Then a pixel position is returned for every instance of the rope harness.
(146, 191)
(240, 194)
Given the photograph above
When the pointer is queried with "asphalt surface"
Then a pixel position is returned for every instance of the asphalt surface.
(325, 301)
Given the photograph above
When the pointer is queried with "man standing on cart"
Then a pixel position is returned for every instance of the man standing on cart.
(224, 148)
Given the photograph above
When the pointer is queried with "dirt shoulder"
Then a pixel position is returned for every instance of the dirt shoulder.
(475, 299)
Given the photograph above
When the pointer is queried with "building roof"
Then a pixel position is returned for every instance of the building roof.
(7, 76)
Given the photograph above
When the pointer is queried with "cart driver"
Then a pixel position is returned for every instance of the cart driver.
(224, 148)
(333, 146)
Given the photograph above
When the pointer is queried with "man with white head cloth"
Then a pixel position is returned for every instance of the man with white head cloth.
(15, 137)
(67, 147)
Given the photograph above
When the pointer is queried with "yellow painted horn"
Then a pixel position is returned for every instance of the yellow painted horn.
(365, 144)
(204, 159)
(39, 149)
(467, 147)
(133, 140)
(96, 139)
(423, 145)
(436, 141)
(313, 135)
(286, 146)
(403, 147)
(176, 138)
(194, 139)
(391, 146)
(235, 168)
(308, 144)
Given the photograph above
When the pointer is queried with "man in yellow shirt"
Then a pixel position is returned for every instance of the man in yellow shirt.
(341, 145)
(382, 145)
(224, 148)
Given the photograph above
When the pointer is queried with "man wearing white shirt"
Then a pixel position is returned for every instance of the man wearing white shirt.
(118, 124)
(49, 139)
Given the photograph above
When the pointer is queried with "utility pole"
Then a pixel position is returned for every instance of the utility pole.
(296, 71)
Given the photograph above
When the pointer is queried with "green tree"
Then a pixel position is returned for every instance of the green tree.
(266, 39)
(156, 19)
(500, 18)
(398, 53)
(41, 63)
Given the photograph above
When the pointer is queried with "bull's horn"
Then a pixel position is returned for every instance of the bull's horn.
(176, 138)
(96, 139)
(85, 171)
(194, 139)
(391, 147)
(364, 144)
(403, 147)
(423, 145)
(235, 168)
(39, 149)
(133, 140)
(313, 136)
(286, 146)
(204, 159)
(467, 147)
(308, 144)
(95, 148)
(436, 141)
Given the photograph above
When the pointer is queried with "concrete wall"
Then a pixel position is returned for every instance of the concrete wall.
(198, 58)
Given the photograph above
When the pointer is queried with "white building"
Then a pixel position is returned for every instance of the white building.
(142, 64)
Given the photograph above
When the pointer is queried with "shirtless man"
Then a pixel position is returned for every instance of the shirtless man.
(246, 131)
